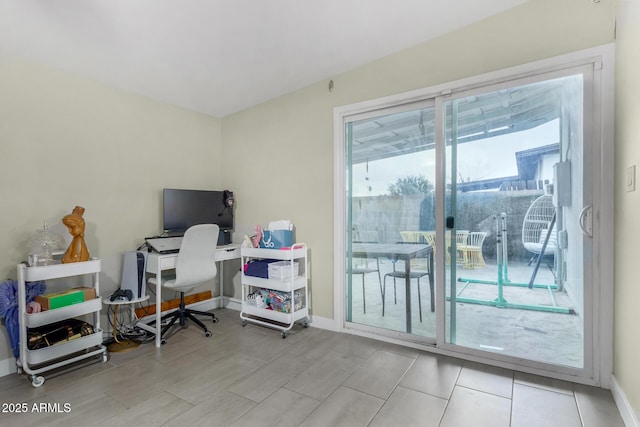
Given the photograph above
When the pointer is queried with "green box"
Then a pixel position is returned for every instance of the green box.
(60, 299)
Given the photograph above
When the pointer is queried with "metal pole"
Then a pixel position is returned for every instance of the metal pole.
(541, 254)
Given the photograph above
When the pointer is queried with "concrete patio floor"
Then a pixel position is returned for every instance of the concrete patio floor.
(555, 338)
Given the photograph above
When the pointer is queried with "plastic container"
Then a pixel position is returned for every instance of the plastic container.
(283, 270)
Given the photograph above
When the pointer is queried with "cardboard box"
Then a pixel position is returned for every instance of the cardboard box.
(89, 293)
(60, 299)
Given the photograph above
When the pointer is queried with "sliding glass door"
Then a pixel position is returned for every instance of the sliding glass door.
(513, 192)
(472, 218)
(390, 187)
(515, 197)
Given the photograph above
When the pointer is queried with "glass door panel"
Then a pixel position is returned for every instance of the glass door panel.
(391, 212)
(514, 193)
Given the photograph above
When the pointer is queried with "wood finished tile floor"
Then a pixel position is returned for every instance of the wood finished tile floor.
(250, 376)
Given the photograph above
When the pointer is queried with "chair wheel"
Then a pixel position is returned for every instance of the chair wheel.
(214, 320)
(207, 334)
(163, 341)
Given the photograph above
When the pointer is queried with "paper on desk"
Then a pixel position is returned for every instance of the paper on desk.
(283, 224)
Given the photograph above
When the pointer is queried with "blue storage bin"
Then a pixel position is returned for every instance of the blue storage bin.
(276, 239)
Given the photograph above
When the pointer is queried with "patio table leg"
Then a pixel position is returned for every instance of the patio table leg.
(407, 267)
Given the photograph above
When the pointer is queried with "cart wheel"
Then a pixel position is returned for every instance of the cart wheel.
(207, 334)
(244, 323)
(36, 380)
(105, 358)
(215, 320)
(163, 341)
(19, 370)
(283, 334)
(305, 324)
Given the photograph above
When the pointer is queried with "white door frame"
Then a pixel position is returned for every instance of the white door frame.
(601, 346)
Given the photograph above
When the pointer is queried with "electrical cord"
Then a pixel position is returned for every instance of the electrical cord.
(126, 328)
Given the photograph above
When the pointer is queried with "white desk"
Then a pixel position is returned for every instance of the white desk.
(157, 263)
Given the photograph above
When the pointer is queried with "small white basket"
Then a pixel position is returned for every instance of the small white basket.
(283, 270)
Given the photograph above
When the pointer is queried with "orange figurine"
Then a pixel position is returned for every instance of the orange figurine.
(77, 250)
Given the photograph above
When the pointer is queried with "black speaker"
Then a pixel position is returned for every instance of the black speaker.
(134, 265)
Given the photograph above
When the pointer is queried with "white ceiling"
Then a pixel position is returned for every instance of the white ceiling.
(221, 56)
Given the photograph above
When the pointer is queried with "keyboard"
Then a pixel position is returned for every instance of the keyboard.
(164, 245)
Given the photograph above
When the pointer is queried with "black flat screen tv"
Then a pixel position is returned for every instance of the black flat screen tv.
(183, 208)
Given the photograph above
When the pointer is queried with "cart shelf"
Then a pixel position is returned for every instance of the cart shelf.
(295, 283)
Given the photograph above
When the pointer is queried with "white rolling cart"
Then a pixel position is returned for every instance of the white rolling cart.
(292, 281)
(34, 362)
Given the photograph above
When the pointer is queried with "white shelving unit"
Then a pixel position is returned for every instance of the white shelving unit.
(290, 283)
(34, 362)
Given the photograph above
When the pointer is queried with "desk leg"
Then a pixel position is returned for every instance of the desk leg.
(407, 269)
(158, 306)
(221, 279)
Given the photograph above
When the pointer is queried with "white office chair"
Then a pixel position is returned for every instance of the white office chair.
(195, 265)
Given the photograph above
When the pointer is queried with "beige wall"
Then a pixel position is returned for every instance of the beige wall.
(65, 141)
(627, 205)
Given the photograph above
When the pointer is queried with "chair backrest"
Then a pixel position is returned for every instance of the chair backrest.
(537, 220)
(476, 238)
(553, 237)
(196, 259)
(409, 236)
(428, 237)
(421, 237)
(462, 237)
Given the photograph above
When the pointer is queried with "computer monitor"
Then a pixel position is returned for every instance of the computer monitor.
(183, 208)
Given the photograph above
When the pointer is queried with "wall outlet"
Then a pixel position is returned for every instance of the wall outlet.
(631, 178)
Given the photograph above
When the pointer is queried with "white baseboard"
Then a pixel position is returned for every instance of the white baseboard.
(232, 303)
(626, 411)
(323, 323)
(205, 305)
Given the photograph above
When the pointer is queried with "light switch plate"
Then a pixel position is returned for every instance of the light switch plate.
(631, 178)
